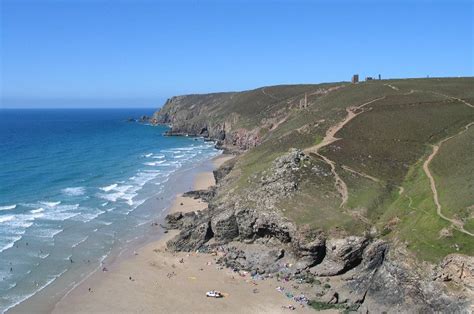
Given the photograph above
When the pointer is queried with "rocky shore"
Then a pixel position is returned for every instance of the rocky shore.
(366, 274)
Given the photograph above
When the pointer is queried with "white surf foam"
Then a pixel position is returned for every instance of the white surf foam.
(43, 255)
(74, 191)
(47, 232)
(7, 218)
(148, 155)
(24, 297)
(155, 163)
(10, 244)
(124, 192)
(50, 204)
(109, 187)
(86, 217)
(82, 241)
(35, 211)
(8, 207)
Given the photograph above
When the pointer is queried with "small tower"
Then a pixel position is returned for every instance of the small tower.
(355, 78)
(304, 102)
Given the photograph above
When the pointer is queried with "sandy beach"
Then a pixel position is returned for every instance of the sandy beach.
(154, 280)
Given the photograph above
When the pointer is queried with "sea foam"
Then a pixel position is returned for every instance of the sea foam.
(74, 191)
(109, 187)
(51, 204)
(8, 207)
(7, 218)
(35, 211)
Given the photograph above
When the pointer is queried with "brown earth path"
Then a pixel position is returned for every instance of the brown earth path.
(426, 164)
(364, 175)
(330, 138)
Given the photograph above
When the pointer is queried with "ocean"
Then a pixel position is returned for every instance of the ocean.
(77, 184)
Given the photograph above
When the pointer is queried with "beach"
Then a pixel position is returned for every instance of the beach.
(153, 280)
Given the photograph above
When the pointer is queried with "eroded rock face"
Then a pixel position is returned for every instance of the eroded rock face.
(459, 269)
(341, 255)
(224, 226)
(205, 195)
(173, 220)
(368, 276)
(190, 239)
(310, 247)
(252, 257)
(223, 171)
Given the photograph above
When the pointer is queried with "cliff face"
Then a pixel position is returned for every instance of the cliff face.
(328, 179)
(197, 115)
(236, 120)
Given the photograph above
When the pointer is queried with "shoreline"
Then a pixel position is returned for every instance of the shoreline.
(154, 280)
(44, 299)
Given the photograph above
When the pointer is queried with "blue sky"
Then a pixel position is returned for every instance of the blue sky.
(137, 53)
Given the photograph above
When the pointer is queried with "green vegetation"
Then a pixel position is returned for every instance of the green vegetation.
(454, 176)
(379, 154)
(320, 306)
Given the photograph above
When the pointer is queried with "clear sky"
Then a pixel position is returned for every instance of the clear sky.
(101, 53)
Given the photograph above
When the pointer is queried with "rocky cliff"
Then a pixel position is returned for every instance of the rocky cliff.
(302, 204)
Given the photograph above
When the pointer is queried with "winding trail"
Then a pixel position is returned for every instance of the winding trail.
(330, 138)
(392, 87)
(426, 164)
(364, 175)
(454, 98)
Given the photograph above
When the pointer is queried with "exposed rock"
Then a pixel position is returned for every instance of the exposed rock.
(205, 195)
(179, 220)
(191, 239)
(256, 257)
(224, 226)
(223, 170)
(310, 247)
(270, 224)
(341, 255)
(368, 274)
(280, 181)
(459, 269)
(173, 220)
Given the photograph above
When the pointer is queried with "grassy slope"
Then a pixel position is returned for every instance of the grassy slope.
(384, 142)
(454, 176)
(390, 141)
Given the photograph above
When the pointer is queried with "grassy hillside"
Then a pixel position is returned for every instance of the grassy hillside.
(379, 156)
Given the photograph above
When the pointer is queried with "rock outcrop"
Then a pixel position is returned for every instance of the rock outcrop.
(341, 255)
(371, 277)
(181, 113)
(367, 274)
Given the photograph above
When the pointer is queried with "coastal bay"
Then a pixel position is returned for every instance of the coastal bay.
(154, 280)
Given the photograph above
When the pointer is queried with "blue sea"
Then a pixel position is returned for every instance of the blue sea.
(77, 184)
